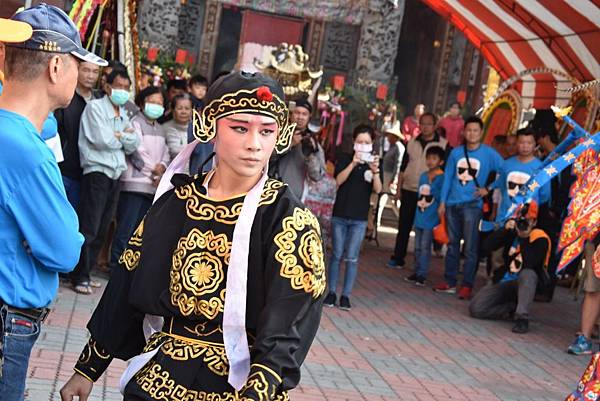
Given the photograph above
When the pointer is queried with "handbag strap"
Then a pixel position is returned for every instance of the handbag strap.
(469, 165)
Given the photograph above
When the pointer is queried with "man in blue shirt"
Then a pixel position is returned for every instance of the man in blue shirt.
(467, 171)
(517, 170)
(38, 226)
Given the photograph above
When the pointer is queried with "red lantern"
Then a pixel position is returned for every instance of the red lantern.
(338, 82)
(152, 53)
(382, 91)
(461, 96)
(180, 56)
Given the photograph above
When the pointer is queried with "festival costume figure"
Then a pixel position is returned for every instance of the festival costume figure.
(178, 267)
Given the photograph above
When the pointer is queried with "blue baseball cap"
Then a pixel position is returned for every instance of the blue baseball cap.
(53, 31)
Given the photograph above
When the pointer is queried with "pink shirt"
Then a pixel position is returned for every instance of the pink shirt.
(454, 129)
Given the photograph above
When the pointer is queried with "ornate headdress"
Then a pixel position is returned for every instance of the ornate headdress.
(242, 92)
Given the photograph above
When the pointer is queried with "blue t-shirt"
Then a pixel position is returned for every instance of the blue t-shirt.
(513, 175)
(38, 227)
(428, 201)
(459, 180)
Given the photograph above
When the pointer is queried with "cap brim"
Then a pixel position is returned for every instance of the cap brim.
(14, 31)
(89, 57)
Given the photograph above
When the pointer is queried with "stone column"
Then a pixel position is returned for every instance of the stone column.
(378, 46)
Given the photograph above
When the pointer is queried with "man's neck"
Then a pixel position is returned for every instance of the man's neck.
(86, 93)
(20, 98)
(225, 183)
(473, 146)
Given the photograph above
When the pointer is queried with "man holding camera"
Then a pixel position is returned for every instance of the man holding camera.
(305, 157)
(514, 285)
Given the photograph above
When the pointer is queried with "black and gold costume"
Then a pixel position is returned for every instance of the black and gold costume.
(175, 266)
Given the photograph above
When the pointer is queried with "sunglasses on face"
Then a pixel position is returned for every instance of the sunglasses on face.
(513, 185)
(428, 198)
(472, 171)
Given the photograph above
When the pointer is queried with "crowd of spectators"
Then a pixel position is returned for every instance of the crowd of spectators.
(428, 170)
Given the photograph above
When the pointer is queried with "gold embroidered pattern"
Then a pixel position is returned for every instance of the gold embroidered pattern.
(260, 386)
(136, 238)
(212, 355)
(301, 252)
(92, 348)
(199, 330)
(199, 273)
(198, 206)
(159, 385)
(130, 259)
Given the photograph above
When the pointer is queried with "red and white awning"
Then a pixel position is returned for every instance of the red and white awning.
(562, 35)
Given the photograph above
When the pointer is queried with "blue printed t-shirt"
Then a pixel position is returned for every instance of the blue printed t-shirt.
(38, 227)
(459, 180)
(428, 201)
(513, 175)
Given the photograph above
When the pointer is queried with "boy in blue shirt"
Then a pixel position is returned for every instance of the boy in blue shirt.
(430, 188)
(467, 171)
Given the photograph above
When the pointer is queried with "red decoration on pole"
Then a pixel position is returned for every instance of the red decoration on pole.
(338, 82)
(190, 59)
(461, 96)
(152, 53)
(180, 56)
(382, 91)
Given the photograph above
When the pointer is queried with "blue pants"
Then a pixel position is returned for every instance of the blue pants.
(131, 210)
(17, 335)
(72, 188)
(347, 235)
(423, 240)
(463, 223)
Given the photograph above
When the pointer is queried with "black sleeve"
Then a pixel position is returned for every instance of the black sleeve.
(497, 239)
(405, 159)
(288, 323)
(59, 114)
(341, 163)
(115, 327)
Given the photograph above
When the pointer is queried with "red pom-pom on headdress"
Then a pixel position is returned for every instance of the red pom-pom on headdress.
(264, 94)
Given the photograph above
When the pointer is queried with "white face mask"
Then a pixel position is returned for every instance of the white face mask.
(363, 147)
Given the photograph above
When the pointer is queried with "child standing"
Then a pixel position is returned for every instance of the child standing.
(426, 218)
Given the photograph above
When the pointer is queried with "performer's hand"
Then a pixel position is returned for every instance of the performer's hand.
(76, 386)
(129, 130)
(481, 192)
(118, 135)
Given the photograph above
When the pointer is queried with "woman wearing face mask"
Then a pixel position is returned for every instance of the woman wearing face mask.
(177, 128)
(145, 167)
(357, 176)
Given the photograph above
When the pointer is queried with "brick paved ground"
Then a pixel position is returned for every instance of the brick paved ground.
(397, 343)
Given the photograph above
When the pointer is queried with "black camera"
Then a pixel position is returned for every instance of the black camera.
(522, 224)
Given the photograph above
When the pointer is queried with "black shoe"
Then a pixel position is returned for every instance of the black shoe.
(521, 326)
(420, 282)
(411, 279)
(330, 300)
(345, 303)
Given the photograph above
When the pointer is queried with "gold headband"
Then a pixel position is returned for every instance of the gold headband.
(255, 101)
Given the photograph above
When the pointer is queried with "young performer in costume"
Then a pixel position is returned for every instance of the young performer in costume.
(218, 295)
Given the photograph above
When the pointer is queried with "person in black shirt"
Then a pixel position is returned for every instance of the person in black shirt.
(357, 175)
(68, 120)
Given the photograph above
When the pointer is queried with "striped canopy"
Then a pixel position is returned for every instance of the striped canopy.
(515, 36)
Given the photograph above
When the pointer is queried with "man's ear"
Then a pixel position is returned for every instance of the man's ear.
(55, 65)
